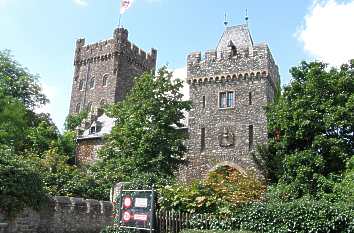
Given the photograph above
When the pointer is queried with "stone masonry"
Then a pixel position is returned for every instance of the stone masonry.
(61, 215)
(229, 88)
(104, 74)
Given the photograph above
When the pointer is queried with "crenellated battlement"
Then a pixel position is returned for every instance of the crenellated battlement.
(258, 51)
(80, 205)
(233, 62)
(63, 214)
(110, 48)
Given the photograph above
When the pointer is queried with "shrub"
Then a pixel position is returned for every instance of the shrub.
(222, 191)
(19, 187)
(302, 215)
(211, 231)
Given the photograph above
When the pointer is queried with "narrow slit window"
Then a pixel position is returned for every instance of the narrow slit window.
(250, 98)
(202, 139)
(203, 101)
(81, 85)
(250, 135)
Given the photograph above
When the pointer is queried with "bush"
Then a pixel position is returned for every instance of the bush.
(222, 191)
(211, 231)
(19, 187)
(302, 215)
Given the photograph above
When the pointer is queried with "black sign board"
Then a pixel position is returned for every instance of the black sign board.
(136, 209)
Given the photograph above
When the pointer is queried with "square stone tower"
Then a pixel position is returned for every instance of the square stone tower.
(229, 89)
(104, 74)
(104, 71)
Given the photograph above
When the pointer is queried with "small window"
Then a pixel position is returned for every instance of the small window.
(77, 108)
(203, 101)
(103, 103)
(92, 83)
(202, 139)
(92, 130)
(247, 53)
(105, 80)
(250, 137)
(233, 51)
(226, 99)
(89, 107)
(81, 85)
(250, 98)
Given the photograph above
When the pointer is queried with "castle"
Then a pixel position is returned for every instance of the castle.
(229, 88)
(104, 73)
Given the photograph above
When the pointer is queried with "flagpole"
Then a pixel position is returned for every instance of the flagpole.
(120, 17)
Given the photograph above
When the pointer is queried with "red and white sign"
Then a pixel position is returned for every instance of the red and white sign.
(140, 217)
(126, 216)
(127, 202)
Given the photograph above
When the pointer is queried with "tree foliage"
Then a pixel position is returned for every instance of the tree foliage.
(315, 118)
(145, 140)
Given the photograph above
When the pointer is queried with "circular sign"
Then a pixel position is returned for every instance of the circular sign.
(126, 216)
(127, 202)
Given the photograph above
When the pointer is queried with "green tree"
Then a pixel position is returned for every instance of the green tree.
(12, 120)
(146, 140)
(315, 121)
(17, 82)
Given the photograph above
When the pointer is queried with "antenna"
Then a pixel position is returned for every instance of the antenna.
(246, 17)
(225, 20)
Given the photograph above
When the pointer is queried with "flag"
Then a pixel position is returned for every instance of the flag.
(124, 5)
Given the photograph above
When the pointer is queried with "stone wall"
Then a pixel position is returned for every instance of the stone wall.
(62, 215)
(86, 149)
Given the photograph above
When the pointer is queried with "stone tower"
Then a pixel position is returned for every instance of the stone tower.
(104, 74)
(104, 71)
(229, 88)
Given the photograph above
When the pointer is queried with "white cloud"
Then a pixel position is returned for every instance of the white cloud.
(181, 73)
(327, 33)
(51, 93)
(80, 2)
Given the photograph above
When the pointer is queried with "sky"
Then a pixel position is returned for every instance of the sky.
(41, 34)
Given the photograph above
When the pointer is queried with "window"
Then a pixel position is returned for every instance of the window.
(92, 83)
(250, 137)
(203, 101)
(226, 99)
(250, 98)
(105, 80)
(89, 107)
(92, 130)
(77, 109)
(202, 139)
(81, 85)
(233, 51)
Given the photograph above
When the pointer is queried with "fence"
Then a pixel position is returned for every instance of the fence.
(174, 222)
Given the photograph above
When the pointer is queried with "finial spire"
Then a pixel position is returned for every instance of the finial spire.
(246, 17)
(225, 20)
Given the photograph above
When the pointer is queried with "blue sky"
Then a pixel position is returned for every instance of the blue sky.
(41, 33)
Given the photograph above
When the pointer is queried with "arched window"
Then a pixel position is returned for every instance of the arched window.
(81, 85)
(92, 83)
(77, 108)
(105, 80)
(103, 103)
(89, 107)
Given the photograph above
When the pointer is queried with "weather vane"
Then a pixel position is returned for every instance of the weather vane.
(225, 20)
(246, 17)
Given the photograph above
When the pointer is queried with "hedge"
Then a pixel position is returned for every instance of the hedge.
(302, 215)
